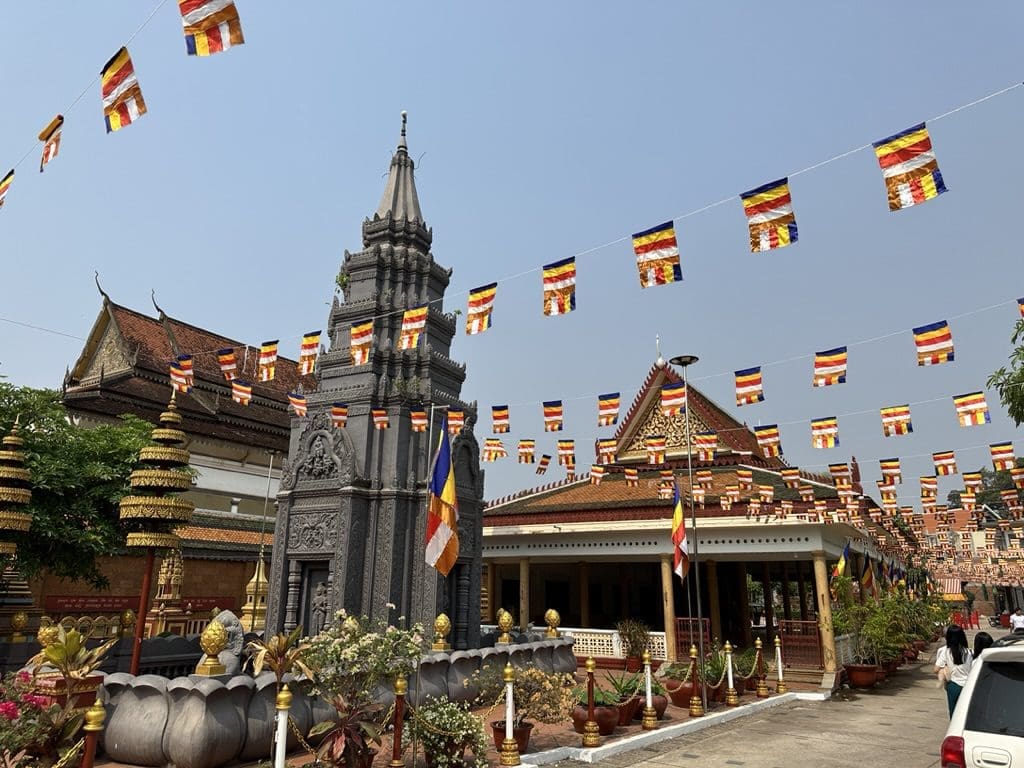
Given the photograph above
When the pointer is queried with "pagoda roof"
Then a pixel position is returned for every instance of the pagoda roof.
(400, 200)
(123, 368)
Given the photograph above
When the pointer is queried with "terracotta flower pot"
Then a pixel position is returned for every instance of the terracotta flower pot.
(627, 709)
(606, 717)
(890, 666)
(633, 664)
(861, 676)
(660, 704)
(680, 692)
(521, 734)
(880, 674)
(920, 645)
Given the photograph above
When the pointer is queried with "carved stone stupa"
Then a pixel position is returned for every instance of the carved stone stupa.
(352, 506)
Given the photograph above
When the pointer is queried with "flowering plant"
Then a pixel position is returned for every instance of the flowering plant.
(355, 655)
(34, 731)
(446, 730)
(547, 697)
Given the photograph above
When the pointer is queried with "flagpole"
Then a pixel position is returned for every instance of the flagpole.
(684, 361)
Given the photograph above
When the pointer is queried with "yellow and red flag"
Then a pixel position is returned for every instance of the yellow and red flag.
(122, 97)
(657, 255)
(770, 218)
(211, 26)
(481, 305)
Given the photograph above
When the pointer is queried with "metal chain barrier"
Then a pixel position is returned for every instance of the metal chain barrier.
(70, 754)
(435, 729)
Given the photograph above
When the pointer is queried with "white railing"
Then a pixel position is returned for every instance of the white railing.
(604, 643)
(845, 646)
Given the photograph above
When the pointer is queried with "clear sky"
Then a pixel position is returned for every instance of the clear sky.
(542, 130)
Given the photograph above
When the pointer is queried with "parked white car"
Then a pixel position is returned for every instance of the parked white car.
(987, 727)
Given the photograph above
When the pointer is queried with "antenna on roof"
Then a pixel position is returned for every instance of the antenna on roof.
(96, 276)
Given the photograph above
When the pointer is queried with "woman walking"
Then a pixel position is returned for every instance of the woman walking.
(953, 663)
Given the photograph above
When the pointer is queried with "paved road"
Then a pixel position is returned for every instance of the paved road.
(901, 722)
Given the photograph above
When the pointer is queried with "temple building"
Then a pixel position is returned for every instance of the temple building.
(598, 552)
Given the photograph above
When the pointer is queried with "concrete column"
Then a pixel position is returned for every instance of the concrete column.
(744, 602)
(524, 593)
(715, 608)
(787, 609)
(824, 604)
(492, 595)
(668, 606)
(801, 583)
(769, 606)
(584, 594)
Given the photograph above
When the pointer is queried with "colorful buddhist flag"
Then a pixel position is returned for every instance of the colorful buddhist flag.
(891, 470)
(567, 452)
(481, 305)
(298, 403)
(968, 499)
(896, 420)
(791, 477)
(596, 474)
(122, 97)
(211, 26)
(842, 475)
(442, 539)
(704, 478)
(606, 450)
(744, 479)
(929, 486)
(655, 445)
(1003, 458)
(456, 420)
(542, 465)
(768, 440)
(179, 381)
(934, 343)
(766, 493)
(732, 492)
(50, 136)
(493, 449)
(971, 409)
(706, 443)
(339, 414)
(228, 363)
(973, 481)
(909, 167)
(608, 409)
(499, 419)
(418, 419)
(241, 391)
(361, 340)
(413, 322)
(5, 185)
(1017, 475)
(560, 287)
(268, 360)
(770, 218)
(552, 415)
(1009, 497)
(632, 475)
(1020, 306)
(308, 351)
(188, 369)
(380, 418)
(680, 546)
(830, 367)
(749, 389)
(525, 450)
(825, 432)
(945, 462)
(806, 492)
(657, 255)
(673, 399)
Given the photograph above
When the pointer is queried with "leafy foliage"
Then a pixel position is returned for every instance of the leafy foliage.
(347, 738)
(1009, 381)
(546, 697)
(992, 483)
(446, 730)
(78, 476)
(70, 656)
(281, 654)
(636, 636)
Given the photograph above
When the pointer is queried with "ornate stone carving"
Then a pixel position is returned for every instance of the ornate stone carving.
(314, 531)
(324, 454)
(672, 427)
(111, 357)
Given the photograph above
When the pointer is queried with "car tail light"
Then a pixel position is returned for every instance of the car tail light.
(953, 753)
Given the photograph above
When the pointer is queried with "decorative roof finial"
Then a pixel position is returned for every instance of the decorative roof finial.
(660, 362)
(401, 140)
(100, 287)
(152, 296)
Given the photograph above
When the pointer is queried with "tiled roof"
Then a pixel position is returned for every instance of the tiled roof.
(959, 522)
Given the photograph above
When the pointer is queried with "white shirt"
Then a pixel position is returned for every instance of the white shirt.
(1017, 621)
(957, 672)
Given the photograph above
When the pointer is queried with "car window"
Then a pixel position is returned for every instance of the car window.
(995, 705)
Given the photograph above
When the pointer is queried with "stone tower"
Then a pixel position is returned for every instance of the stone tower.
(352, 507)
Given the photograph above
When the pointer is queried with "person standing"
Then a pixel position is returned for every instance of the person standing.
(953, 664)
(1017, 622)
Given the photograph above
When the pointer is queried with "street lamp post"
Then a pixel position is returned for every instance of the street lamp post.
(684, 362)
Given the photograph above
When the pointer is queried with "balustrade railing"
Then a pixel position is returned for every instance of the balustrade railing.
(801, 644)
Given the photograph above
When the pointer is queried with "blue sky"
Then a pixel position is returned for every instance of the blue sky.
(542, 130)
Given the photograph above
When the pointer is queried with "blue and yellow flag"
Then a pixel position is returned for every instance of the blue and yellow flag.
(442, 545)
(844, 558)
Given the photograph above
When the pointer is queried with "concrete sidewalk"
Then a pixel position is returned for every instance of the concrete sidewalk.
(900, 722)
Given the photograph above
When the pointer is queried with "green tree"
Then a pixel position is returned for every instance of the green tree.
(992, 483)
(1009, 381)
(78, 476)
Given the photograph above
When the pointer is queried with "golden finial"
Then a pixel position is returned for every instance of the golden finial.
(552, 619)
(128, 618)
(47, 636)
(94, 717)
(693, 651)
(591, 665)
(401, 686)
(778, 641)
(757, 643)
(509, 674)
(728, 647)
(284, 698)
(505, 622)
(213, 640)
(645, 657)
(442, 626)
(19, 621)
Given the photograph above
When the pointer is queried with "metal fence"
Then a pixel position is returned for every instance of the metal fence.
(688, 631)
(801, 644)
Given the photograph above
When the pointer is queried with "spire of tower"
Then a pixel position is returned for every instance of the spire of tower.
(400, 198)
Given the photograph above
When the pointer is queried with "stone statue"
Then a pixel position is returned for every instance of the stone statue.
(318, 609)
(231, 656)
(319, 464)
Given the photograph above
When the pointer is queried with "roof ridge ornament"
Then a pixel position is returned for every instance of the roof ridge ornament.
(660, 361)
(401, 139)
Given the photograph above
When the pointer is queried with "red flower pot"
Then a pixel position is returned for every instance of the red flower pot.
(633, 664)
(521, 734)
(861, 676)
(606, 717)
(627, 709)
(83, 692)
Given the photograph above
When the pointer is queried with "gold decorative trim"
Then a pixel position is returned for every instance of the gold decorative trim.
(15, 457)
(8, 548)
(15, 473)
(172, 436)
(156, 508)
(164, 453)
(160, 540)
(15, 495)
(15, 521)
(161, 478)
(170, 417)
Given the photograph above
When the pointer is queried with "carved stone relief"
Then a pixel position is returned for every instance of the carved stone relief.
(672, 427)
(315, 531)
(324, 453)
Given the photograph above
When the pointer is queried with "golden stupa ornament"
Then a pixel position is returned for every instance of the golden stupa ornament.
(505, 622)
(15, 491)
(442, 626)
(552, 618)
(213, 640)
(153, 508)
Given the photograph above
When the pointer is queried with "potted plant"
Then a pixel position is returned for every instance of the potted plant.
(659, 699)
(712, 672)
(348, 662)
(544, 697)
(743, 670)
(73, 664)
(606, 714)
(446, 730)
(35, 730)
(848, 618)
(281, 654)
(676, 679)
(626, 688)
(635, 637)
